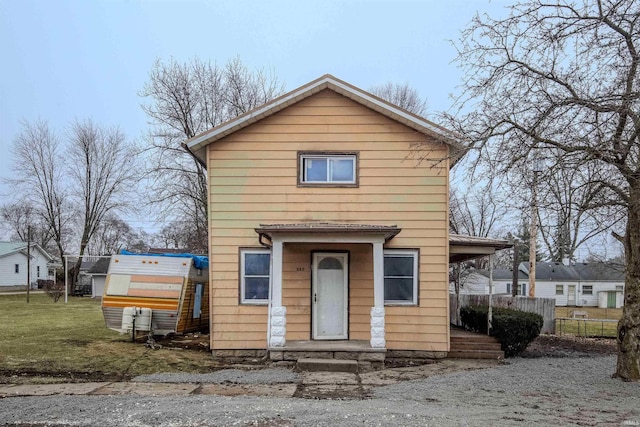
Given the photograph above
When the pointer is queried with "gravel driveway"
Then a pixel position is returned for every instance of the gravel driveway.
(542, 391)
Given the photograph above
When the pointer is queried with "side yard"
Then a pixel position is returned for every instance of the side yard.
(588, 325)
(69, 342)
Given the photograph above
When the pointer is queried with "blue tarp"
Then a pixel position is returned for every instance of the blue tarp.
(199, 261)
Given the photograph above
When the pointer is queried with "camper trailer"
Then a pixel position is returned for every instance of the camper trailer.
(166, 293)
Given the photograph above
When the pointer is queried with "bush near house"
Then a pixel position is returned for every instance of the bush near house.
(514, 329)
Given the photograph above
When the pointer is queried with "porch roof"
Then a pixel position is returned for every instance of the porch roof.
(463, 248)
(326, 228)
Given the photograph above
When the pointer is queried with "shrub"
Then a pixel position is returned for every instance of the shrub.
(55, 290)
(514, 329)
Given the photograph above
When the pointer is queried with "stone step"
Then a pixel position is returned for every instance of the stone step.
(472, 338)
(475, 346)
(476, 354)
(327, 365)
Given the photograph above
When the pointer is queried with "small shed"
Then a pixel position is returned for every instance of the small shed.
(98, 274)
(174, 287)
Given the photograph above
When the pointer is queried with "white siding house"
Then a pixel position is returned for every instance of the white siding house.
(580, 285)
(13, 265)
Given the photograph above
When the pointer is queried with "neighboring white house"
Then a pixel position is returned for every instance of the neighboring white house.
(474, 282)
(582, 284)
(13, 265)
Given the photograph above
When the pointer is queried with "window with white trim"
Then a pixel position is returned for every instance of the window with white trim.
(16, 268)
(328, 169)
(587, 289)
(254, 276)
(401, 277)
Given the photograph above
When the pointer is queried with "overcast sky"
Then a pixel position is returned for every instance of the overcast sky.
(88, 59)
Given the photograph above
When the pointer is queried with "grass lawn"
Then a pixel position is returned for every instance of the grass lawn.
(593, 328)
(71, 340)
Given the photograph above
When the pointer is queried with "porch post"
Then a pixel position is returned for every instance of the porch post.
(377, 311)
(278, 313)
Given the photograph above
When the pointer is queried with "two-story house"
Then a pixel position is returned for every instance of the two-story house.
(329, 226)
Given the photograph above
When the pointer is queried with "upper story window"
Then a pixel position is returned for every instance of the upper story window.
(328, 169)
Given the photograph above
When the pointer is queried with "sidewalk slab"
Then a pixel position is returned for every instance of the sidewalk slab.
(277, 390)
(146, 389)
(49, 389)
(339, 378)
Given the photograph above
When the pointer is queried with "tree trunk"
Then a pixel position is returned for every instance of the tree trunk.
(628, 366)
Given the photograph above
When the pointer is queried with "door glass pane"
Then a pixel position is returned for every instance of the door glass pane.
(315, 170)
(330, 264)
(256, 264)
(342, 170)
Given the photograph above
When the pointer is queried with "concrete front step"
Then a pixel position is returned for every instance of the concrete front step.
(476, 354)
(473, 338)
(327, 365)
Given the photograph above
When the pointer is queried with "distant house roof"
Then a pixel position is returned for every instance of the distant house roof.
(167, 251)
(600, 271)
(100, 267)
(197, 144)
(503, 274)
(8, 248)
(558, 272)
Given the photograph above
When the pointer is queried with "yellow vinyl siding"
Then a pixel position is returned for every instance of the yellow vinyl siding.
(253, 177)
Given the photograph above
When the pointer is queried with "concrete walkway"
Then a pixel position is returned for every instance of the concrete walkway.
(305, 384)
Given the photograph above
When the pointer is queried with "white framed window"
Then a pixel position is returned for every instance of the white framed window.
(16, 268)
(328, 169)
(587, 289)
(38, 272)
(401, 277)
(559, 289)
(619, 288)
(255, 270)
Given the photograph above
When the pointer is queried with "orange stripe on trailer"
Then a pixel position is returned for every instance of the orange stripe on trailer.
(152, 303)
(153, 293)
(157, 279)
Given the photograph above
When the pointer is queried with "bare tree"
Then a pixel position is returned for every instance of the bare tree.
(102, 172)
(185, 100)
(563, 77)
(38, 173)
(566, 219)
(20, 217)
(112, 234)
(402, 95)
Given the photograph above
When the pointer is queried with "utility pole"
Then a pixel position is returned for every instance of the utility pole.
(516, 264)
(534, 230)
(28, 261)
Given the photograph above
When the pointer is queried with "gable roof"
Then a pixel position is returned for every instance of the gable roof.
(198, 143)
(101, 266)
(9, 248)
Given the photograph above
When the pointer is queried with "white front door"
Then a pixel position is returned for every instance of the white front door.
(330, 297)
